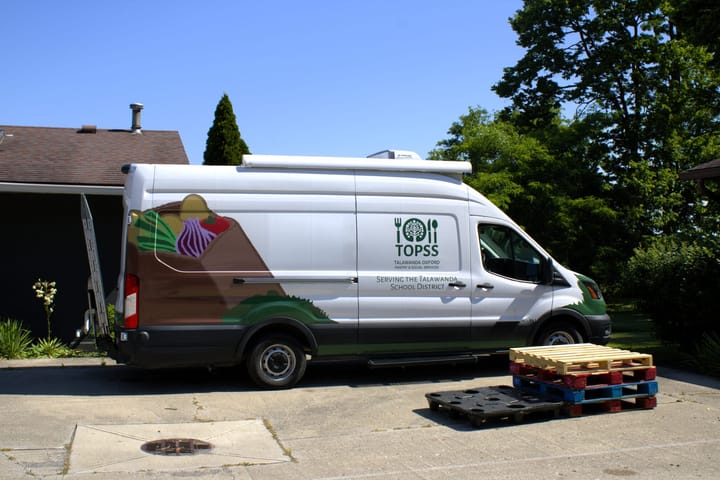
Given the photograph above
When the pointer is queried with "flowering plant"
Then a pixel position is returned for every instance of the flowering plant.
(45, 291)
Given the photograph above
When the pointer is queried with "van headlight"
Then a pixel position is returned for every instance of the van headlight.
(593, 290)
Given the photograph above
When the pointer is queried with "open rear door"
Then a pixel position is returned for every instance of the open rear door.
(97, 311)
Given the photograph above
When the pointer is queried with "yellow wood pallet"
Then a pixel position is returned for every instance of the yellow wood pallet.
(580, 358)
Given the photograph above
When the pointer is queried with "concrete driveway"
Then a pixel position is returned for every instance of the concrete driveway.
(89, 419)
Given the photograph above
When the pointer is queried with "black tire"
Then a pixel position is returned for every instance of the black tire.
(559, 333)
(276, 361)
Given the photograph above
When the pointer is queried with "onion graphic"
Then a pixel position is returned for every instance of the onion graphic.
(193, 239)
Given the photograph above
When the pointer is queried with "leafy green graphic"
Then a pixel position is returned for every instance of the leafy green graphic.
(187, 230)
(153, 233)
(273, 306)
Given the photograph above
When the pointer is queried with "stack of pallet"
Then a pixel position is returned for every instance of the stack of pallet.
(587, 378)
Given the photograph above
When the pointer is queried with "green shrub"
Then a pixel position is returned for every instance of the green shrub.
(707, 354)
(111, 319)
(678, 284)
(52, 348)
(14, 339)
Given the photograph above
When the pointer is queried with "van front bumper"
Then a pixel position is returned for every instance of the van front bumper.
(600, 328)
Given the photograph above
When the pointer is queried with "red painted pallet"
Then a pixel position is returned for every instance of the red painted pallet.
(610, 406)
(579, 381)
(580, 358)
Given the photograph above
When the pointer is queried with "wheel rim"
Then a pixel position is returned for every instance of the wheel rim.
(277, 362)
(560, 338)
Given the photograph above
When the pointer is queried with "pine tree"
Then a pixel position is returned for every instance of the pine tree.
(224, 145)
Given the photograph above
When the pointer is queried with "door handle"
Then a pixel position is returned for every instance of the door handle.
(457, 284)
(486, 286)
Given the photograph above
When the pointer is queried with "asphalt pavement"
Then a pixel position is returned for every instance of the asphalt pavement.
(91, 419)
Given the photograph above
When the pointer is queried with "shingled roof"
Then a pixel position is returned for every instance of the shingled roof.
(85, 156)
(709, 169)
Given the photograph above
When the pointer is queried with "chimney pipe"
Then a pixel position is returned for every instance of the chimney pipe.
(136, 108)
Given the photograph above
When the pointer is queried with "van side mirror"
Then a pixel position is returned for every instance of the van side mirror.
(547, 271)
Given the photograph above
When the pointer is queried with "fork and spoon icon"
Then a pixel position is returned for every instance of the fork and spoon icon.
(431, 229)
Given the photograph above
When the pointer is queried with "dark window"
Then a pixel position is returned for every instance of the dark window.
(506, 253)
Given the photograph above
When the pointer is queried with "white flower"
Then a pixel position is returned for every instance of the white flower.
(46, 291)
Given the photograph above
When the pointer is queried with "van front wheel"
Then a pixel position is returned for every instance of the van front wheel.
(559, 334)
(276, 361)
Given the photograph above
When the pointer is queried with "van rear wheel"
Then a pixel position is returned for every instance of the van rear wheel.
(276, 361)
(560, 333)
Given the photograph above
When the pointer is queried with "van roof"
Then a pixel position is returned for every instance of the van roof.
(452, 168)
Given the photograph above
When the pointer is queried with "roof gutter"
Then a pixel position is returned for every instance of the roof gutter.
(12, 187)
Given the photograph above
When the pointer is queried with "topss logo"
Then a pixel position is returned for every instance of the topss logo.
(416, 238)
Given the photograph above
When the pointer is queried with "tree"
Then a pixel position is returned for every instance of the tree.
(546, 180)
(224, 145)
(698, 21)
(647, 96)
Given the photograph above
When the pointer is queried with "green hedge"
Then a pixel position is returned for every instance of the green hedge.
(678, 284)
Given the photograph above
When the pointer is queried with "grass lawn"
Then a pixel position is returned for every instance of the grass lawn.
(632, 330)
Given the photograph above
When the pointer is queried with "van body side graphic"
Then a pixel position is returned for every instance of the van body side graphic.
(173, 239)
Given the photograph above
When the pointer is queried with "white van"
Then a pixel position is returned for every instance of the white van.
(287, 259)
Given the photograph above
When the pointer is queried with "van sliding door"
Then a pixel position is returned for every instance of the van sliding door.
(413, 280)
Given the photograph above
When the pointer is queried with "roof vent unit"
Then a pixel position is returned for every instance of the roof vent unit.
(88, 129)
(136, 109)
(396, 155)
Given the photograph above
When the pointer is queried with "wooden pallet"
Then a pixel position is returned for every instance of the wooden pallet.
(580, 357)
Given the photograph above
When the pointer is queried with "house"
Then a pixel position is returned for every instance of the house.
(701, 174)
(43, 172)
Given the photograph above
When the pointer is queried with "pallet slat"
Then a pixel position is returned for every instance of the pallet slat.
(610, 406)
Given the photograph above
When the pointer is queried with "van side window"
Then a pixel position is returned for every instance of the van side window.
(506, 253)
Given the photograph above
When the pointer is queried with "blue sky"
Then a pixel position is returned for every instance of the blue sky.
(332, 78)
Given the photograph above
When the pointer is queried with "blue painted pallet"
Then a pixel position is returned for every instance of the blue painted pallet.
(597, 393)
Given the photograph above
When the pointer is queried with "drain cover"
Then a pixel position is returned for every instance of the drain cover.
(176, 446)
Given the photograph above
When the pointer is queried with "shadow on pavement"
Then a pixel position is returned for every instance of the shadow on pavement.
(123, 380)
(688, 376)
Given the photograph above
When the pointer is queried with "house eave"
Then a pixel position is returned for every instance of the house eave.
(20, 187)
